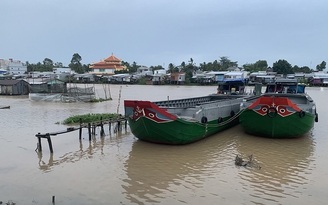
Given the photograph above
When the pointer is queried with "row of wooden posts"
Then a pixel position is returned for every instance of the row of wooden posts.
(91, 130)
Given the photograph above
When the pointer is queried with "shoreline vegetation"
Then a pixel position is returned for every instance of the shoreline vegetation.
(88, 118)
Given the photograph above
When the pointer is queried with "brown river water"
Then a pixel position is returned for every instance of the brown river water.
(120, 169)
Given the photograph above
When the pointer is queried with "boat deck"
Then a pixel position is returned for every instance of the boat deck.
(192, 109)
(193, 102)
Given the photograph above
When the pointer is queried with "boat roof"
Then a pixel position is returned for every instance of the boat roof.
(234, 80)
(265, 76)
(285, 81)
(217, 72)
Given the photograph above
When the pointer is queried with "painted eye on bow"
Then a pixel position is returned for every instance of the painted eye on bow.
(282, 110)
(264, 109)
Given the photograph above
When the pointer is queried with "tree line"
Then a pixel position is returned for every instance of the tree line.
(280, 66)
(47, 65)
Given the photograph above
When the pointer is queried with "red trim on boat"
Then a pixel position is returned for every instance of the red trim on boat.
(274, 102)
(146, 105)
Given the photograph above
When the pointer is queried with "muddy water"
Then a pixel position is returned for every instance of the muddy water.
(119, 169)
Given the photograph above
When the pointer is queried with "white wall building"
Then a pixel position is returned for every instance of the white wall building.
(16, 67)
(143, 70)
(62, 70)
(3, 64)
(160, 71)
(236, 74)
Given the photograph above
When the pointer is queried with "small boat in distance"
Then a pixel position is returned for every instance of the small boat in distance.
(4, 107)
(283, 111)
(233, 86)
(183, 121)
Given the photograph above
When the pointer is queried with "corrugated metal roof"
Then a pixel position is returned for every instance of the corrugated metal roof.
(9, 82)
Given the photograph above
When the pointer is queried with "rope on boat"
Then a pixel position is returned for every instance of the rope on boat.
(227, 121)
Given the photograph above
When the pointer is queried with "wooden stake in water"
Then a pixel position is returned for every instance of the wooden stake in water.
(119, 99)
(80, 131)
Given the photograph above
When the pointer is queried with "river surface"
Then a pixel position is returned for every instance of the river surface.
(120, 169)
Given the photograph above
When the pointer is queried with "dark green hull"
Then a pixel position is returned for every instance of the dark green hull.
(277, 127)
(178, 131)
(283, 111)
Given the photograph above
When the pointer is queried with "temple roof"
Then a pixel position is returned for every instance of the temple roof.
(112, 58)
(110, 62)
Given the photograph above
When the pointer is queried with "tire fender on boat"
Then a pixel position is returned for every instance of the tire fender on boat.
(204, 120)
(219, 119)
(272, 112)
(316, 119)
(232, 113)
(301, 114)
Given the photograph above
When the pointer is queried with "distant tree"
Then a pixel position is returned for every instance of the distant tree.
(183, 66)
(282, 67)
(134, 67)
(58, 65)
(189, 70)
(191, 66)
(305, 69)
(191, 62)
(76, 59)
(260, 65)
(171, 68)
(321, 66)
(86, 67)
(203, 66)
(296, 69)
(29, 67)
(225, 63)
(48, 62)
(249, 67)
(75, 64)
(216, 66)
(128, 67)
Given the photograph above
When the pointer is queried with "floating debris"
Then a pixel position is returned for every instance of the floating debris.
(250, 163)
(10, 202)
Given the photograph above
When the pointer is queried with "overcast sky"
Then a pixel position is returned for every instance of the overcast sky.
(159, 32)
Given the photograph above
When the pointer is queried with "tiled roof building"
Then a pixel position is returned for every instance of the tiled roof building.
(108, 66)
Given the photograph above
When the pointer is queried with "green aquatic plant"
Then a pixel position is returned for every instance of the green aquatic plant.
(90, 118)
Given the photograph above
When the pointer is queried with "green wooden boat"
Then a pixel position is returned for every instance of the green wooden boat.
(182, 121)
(283, 111)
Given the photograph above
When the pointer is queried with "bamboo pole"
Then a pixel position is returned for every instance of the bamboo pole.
(80, 132)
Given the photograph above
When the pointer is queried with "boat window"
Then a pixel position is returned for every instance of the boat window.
(300, 88)
(291, 89)
(279, 89)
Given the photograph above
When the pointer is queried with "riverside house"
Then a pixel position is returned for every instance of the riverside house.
(14, 87)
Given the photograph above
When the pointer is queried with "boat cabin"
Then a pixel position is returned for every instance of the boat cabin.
(233, 86)
(285, 86)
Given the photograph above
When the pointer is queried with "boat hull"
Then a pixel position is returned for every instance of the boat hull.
(276, 117)
(277, 127)
(176, 132)
(149, 122)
